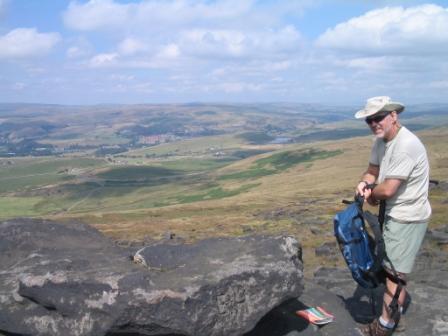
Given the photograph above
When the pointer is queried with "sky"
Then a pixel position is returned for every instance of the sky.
(332, 52)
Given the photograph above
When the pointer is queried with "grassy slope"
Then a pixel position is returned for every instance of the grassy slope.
(195, 198)
(294, 201)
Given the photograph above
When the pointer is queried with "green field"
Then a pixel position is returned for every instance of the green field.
(284, 189)
(52, 186)
(11, 207)
(26, 173)
(189, 147)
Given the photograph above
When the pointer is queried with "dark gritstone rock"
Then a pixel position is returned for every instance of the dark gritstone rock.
(327, 249)
(439, 235)
(426, 312)
(68, 279)
(282, 321)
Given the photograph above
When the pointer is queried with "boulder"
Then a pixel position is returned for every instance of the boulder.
(68, 279)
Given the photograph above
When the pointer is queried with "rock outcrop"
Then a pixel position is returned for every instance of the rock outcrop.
(68, 279)
(426, 312)
(334, 289)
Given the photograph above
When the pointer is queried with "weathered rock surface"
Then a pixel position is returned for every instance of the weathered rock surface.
(327, 249)
(282, 321)
(439, 235)
(428, 288)
(68, 279)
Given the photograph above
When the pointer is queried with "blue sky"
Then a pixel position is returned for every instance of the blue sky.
(172, 51)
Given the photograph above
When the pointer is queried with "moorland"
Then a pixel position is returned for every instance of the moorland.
(144, 172)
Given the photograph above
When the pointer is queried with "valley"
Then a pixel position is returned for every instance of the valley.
(234, 183)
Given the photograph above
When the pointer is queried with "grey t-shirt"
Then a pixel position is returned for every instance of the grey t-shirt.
(404, 158)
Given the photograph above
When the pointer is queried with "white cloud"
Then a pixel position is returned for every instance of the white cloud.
(279, 66)
(146, 15)
(212, 23)
(107, 14)
(164, 58)
(254, 71)
(415, 30)
(75, 52)
(187, 33)
(369, 63)
(393, 49)
(131, 46)
(218, 72)
(121, 78)
(79, 48)
(96, 14)
(213, 42)
(236, 43)
(26, 42)
(103, 60)
(18, 86)
(170, 51)
(144, 87)
(442, 84)
(239, 87)
(180, 12)
(35, 70)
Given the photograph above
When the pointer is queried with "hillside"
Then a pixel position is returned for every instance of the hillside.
(230, 184)
(101, 130)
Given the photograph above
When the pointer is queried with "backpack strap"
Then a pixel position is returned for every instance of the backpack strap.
(376, 224)
(394, 307)
(380, 248)
(435, 182)
(382, 213)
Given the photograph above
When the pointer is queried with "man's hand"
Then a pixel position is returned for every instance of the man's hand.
(362, 189)
(365, 189)
(368, 177)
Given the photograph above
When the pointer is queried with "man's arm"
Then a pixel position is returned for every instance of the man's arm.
(385, 190)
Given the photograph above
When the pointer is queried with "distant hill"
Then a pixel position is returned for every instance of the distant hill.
(104, 129)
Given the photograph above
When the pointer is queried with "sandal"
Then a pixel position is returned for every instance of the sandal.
(376, 329)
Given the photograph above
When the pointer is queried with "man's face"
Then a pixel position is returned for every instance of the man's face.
(381, 124)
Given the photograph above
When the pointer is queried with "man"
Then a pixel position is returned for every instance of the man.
(399, 167)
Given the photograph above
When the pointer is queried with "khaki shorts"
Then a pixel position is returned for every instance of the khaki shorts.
(402, 243)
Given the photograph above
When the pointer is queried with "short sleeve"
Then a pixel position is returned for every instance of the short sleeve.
(400, 166)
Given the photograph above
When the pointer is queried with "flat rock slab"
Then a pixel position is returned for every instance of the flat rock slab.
(68, 279)
(282, 321)
(426, 313)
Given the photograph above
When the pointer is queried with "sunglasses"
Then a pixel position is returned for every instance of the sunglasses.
(377, 118)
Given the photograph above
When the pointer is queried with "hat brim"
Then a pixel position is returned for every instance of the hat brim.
(364, 113)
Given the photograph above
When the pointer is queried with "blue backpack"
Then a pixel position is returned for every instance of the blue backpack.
(362, 252)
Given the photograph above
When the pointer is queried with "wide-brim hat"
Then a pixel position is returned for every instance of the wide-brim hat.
(378, 104)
